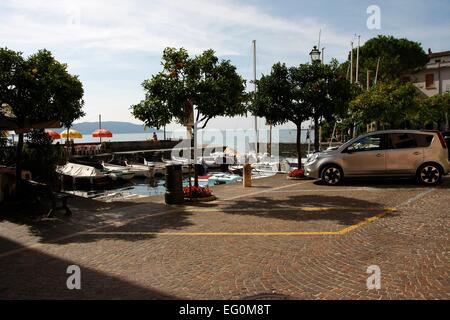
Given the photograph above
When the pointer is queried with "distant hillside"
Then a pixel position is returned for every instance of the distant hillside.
(113, 126)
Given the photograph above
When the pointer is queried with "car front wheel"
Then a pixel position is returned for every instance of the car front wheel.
(332, 175)
(429, 174)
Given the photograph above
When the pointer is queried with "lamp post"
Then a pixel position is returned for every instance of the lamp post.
(315, 55)
(315, 58)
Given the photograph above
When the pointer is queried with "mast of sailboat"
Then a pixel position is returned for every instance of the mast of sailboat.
(100, 124)
(351, 63)
(376, 73)
(357, 60)
(254, 82)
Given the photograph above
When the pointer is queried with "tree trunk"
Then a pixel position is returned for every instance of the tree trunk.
(299, 146)
(19, 152)
(316, 135)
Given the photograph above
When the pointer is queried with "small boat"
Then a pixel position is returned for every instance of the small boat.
(217, 178)
(217, 159)
(223, 178)
(82, 174)
(116, 175)
(177, 160)
(139, 170)
(158, 168)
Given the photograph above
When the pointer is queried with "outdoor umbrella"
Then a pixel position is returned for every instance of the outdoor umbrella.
(53, 134)
(72, 134)
(102, 133)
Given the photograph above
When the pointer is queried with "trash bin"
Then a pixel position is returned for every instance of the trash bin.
(174, 184)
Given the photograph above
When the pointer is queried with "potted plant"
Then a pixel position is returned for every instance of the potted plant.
(198, 194)
(296, 174)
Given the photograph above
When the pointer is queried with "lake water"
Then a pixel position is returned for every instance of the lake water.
(212, 136)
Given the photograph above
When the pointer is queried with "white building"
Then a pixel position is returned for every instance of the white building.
(434, 78)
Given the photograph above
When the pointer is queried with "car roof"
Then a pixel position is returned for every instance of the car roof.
(402, 131)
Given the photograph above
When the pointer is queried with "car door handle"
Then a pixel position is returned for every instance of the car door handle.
(379, 155)
(417, 153)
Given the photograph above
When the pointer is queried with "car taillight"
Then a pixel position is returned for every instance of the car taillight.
(442, 140)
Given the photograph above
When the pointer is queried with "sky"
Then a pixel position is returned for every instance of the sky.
(114, 45)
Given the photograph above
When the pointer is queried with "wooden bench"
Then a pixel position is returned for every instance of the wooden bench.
(38, 191)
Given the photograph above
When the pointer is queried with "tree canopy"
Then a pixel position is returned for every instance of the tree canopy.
(211, 85)
(298, 93)
(398, 57)
(38, 89)
(432, 110)
(392, 104)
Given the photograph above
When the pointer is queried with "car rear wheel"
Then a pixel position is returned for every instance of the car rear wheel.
(332, 175)
(429, 174)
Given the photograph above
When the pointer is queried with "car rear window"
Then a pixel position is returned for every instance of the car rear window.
(410, 140)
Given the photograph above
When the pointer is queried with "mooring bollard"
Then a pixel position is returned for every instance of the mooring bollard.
(174, 184)
(247, 175)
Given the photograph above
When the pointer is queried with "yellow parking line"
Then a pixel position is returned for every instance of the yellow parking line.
(312, 233)
(246, 234)
(306, 209)
(366, 221)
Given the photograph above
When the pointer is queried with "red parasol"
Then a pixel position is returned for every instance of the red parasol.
(102, 133)
(53, 134)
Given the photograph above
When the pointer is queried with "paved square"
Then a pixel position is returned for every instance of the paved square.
(295, 239)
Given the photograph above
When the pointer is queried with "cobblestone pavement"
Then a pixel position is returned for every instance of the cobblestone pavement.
(295, 239)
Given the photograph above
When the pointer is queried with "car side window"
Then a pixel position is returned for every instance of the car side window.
(410, 140)
(424, 140)
(369, 143)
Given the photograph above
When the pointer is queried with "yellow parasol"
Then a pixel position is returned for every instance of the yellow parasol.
(72, 134)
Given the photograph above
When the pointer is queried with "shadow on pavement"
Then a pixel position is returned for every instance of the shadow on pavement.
(356, 210)
(33, 274)
(94, 215)
(388, 183)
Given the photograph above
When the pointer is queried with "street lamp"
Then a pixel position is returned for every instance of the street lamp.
(315, 55)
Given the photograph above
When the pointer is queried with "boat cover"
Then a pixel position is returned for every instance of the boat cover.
(79, 171)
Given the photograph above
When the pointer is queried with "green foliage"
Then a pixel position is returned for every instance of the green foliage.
(211, 85)
(397, 57)
(432, 110)
(41, 157)
(393, 104)
(298, 93)
(39, 88)
(275, 99)
(6, 152)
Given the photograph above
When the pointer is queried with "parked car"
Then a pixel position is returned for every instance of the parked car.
(390, 153)
(447, 140)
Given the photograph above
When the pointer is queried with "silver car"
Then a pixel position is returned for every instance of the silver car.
(391, 153)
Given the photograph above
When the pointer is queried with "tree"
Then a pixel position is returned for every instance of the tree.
(392, 104)
(279, 101)
(299, 93)
(398, 57)
(210, 85)
(323, 89)
(432, 110)
(38, 89)
(40, 156)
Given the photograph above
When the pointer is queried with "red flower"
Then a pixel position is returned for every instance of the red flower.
(297, 173)
(197, 192)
